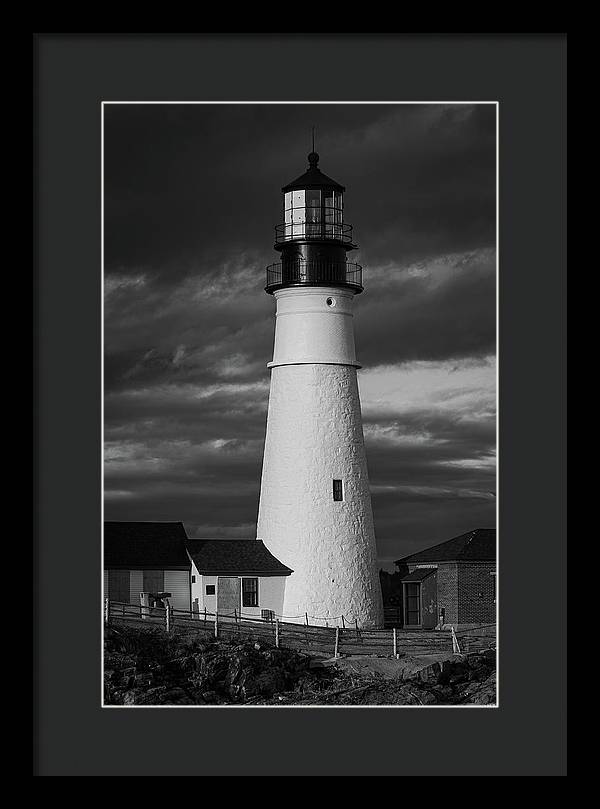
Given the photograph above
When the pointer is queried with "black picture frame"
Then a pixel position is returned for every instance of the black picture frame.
(526, 74)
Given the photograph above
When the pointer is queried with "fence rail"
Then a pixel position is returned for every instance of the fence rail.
(332, 640)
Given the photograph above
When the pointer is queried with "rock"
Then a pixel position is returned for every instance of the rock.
(176, 696)
(430, 673)
(482, 693)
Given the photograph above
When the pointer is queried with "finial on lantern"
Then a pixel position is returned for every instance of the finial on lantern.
(313, 157)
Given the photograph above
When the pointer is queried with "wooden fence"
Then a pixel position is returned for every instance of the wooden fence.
(334, 641)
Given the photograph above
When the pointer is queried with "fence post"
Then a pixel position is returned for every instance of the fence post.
(106, 610)
(168, 618)
(336, 651)
(216, 624)
(235, 616)
(277, 633)
(306, 616)
(455, 646)
(395, 643)
(343, 623)
(356, 623)
(204, 614)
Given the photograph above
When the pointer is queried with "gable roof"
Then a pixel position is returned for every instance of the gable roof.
(478, 545)
(220, 557)
(145, 545)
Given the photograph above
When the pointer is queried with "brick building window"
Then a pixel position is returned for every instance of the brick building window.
(338, 490)
(249, 592)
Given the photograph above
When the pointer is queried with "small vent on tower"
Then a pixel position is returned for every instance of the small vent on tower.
(338, 490)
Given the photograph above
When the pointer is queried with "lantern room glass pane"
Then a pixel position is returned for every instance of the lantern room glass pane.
(298, 213)
(288, 214)
(328, 204)
(313, 213)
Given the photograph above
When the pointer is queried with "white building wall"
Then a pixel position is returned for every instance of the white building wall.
(209, 602)
(314, 435)
(271, 591)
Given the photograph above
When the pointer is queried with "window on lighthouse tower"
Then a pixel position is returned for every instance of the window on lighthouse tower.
(338, 490)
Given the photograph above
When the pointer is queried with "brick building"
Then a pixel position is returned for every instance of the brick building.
(451, 583)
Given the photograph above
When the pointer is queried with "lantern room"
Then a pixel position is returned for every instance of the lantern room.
(313, 208)
(313, 238)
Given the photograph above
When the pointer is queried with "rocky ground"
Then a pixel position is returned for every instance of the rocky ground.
(149, 667)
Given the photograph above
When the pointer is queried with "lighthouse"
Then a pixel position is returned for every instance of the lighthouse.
(315, 510)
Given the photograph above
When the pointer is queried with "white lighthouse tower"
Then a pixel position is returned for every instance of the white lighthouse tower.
(315, 506)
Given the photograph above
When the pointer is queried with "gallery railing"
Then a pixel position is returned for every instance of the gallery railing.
(299, 272)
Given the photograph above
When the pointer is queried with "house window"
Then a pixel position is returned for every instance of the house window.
(209, 589)
(412, 603)
(153, 581)
(338, 491)
(193, 579)
(249, 592)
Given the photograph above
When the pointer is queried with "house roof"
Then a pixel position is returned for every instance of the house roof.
(222, 557)
(419, 574)
(145, 545)
(476, 546)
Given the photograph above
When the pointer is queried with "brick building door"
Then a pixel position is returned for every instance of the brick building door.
(412, 603)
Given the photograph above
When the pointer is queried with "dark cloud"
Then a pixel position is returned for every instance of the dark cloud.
(191, 197)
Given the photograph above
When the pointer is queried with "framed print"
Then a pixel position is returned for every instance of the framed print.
(294, 418)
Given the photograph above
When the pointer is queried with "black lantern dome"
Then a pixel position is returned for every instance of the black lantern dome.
(313, 239)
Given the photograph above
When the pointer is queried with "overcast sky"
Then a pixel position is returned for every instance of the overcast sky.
(192, 194)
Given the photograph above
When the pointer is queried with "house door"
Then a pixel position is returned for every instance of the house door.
(228, 595)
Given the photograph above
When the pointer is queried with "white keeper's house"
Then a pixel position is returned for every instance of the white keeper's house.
(231, 576)
(236, 576)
